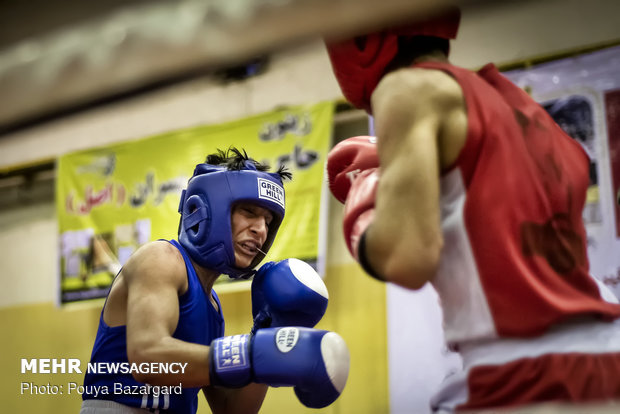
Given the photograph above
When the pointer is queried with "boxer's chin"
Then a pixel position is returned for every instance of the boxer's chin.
(243, 260)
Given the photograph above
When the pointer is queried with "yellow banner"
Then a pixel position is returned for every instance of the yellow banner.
(111, 200)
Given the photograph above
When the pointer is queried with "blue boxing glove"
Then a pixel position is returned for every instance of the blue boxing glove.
(314, 362)
(287, 293)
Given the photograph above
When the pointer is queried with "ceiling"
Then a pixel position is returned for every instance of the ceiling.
(20, 20)
(62, 55)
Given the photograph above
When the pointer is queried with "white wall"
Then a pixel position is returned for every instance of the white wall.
(296, 77)
(508, 31)
(28, 260)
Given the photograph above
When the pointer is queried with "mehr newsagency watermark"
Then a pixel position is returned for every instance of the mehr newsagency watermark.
(74, 365)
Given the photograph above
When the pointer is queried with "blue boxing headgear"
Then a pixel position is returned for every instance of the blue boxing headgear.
(206, 207)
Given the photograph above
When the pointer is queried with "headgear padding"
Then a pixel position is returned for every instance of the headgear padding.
(206, 207)
(360, 63)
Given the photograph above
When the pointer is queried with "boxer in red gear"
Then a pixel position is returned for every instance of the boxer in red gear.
(480, 193)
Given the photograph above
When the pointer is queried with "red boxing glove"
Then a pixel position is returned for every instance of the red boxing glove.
(346, 160)
(353, 170)
(359, 208)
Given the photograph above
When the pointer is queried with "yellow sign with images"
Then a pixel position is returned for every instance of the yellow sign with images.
(111, 200)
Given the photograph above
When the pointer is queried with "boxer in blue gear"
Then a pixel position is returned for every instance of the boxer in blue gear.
(161, 307)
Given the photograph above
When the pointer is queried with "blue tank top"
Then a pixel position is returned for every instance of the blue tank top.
(199, 322)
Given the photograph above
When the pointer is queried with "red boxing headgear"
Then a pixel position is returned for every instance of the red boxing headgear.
(359, 63)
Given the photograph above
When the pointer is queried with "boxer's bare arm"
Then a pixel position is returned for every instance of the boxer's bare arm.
(414, 110)
(154, 277)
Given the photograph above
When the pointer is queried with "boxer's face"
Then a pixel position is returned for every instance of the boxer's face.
(250, 226)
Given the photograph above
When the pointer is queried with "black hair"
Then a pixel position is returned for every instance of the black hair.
(235, 159)
(410, 48)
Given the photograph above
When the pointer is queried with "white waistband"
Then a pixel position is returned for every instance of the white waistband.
(109, 407)
(591, 338)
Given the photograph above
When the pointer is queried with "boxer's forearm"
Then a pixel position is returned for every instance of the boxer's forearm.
(194, 359)
(404, 241)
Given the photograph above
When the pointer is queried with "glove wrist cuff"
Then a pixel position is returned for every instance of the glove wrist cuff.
(363, 259)
(230, 364)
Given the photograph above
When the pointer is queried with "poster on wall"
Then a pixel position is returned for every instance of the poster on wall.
(582, 94)
(111, 200)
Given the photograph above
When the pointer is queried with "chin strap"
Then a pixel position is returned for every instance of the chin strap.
(249, 274)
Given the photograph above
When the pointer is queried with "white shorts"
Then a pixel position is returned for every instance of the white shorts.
(580, 341)
(109, 407)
